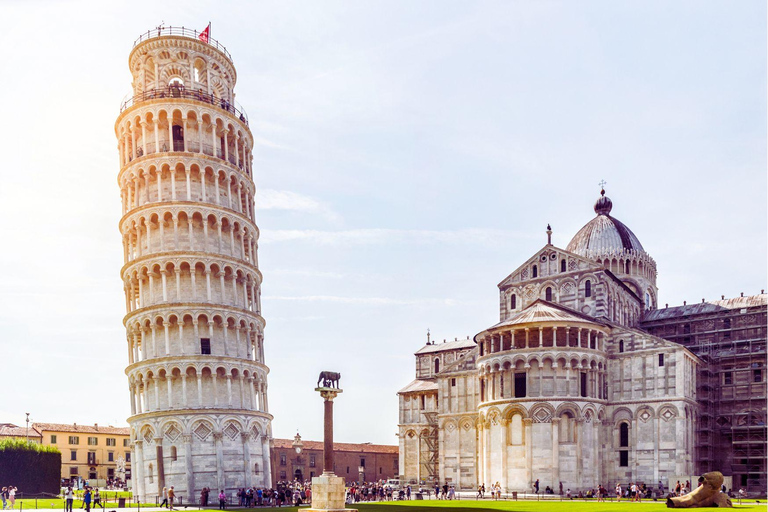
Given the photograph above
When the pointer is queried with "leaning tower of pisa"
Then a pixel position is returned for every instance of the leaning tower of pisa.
(196, 369)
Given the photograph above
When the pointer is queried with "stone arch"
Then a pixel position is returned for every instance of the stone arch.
(622, 413)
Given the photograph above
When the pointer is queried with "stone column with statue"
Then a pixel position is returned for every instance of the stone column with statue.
(328, 490)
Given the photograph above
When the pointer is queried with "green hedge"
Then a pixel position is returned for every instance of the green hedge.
(30, 467)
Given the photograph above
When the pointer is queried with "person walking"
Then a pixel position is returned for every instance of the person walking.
(97, 499)
(171, 495)
(4, 496)
(69, 498)
(87, 499)
(165, 498)
(536, 487)
(12, 495)
(618, 492)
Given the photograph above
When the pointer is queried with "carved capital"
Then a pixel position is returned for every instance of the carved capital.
(218, 436)
(527, 422)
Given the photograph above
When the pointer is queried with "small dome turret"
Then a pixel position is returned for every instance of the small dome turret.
(603, 205)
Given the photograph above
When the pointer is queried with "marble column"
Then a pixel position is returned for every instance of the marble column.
(528, 427)
(218, 439)
(137, 469)
(555, 452)
(191, 495)
(504, 433)
(246, 438)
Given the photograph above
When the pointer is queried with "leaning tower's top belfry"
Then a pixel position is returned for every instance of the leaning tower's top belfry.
(196, 369)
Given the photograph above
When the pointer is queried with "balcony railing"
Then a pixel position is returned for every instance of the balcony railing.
(180, 31)
(179, 91)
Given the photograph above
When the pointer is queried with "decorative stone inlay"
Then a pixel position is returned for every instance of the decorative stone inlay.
(644, 416)
(231, 431)
(202, 431)
(542, 416)
(173, 432)
(667, 415)
(530, 291)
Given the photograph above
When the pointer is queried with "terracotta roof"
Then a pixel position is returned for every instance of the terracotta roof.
(543, 311)
(340, 447)
(82, 429)
(11, 430)
(448, 345)
(712, 306)
(419, 385)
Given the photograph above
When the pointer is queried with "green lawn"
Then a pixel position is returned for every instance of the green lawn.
(507, 506)
(518, 506)
(434, 506)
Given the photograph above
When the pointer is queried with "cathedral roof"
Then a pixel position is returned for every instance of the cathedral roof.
(543, 311)
(604, 235)
(447, 345)
(701, 308)
(420, 385)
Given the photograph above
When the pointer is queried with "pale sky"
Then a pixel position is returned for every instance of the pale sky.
(409, 157)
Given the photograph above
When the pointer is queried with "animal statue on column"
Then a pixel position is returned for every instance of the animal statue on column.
(329, 379)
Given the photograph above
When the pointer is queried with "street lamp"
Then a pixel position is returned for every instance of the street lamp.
(27, 428)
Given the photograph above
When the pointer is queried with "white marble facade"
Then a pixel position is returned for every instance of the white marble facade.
(564, 388)
(196, 369)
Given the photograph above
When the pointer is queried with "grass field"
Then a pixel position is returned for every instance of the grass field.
(507, 506)
(437, 506)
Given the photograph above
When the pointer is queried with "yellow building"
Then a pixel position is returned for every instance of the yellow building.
(89, 451)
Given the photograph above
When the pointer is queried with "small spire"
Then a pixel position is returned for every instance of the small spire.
(603, 205)
(427, 335)
(549, 234)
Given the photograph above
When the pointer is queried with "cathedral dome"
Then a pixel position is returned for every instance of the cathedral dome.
(604, 235)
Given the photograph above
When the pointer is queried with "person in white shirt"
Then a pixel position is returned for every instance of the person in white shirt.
(69, 497)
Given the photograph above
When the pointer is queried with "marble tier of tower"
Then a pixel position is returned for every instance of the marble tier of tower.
(196, 369)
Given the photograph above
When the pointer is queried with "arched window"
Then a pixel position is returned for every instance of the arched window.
(178, 138)
(623, 435)
(173, 453)
(562, 265)
(513, 302)
(549, 293)
(588, 288)
(621, 345)
(535, 271)
(437, 365)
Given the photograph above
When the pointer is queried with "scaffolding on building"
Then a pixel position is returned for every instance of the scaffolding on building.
(731, 432)
(429, 455)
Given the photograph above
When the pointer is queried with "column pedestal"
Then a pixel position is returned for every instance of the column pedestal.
(328, 490)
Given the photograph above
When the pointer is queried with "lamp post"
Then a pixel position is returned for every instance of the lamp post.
(27, 428)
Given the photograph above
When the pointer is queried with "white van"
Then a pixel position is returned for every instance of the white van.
(394, 483)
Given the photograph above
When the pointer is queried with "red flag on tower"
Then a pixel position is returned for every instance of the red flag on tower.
(205, 34)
